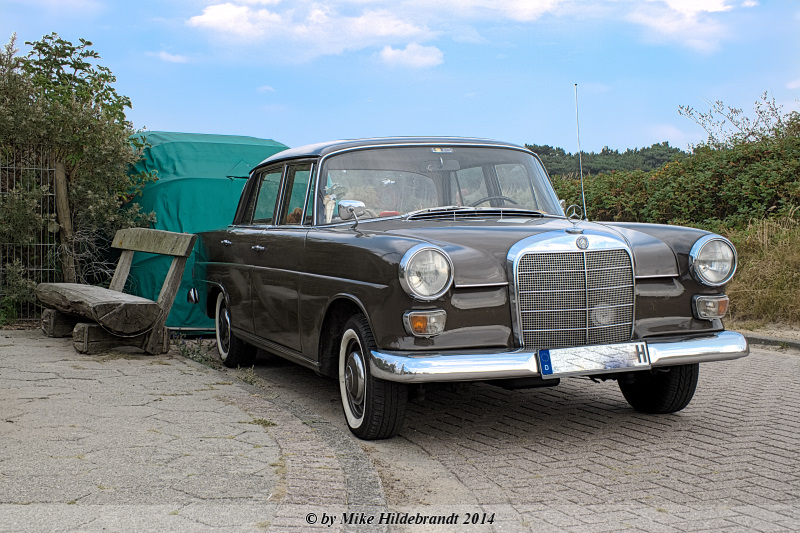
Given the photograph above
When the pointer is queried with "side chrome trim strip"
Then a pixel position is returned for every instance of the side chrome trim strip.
(406, 367)
(481, 285)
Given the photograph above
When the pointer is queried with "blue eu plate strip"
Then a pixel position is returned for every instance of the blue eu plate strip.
(545, 365)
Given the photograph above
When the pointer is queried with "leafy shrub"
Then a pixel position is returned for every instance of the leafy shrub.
(20, 214)
(714, 188)
(18, 290)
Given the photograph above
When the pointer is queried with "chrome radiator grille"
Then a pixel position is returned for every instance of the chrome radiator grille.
(575, 298)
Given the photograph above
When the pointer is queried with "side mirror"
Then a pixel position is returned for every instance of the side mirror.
(563, 204)
(351, 208)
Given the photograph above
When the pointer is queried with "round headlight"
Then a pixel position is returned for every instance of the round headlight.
(712, 260)
(426, 272)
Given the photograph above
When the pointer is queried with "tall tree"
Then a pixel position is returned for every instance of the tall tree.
(559, 162)
(58, 97)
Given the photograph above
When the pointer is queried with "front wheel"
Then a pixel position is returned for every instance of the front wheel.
(232, 350)
(374, 408)
(660, 392)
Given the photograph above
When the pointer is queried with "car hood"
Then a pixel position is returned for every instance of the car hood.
(479, 248)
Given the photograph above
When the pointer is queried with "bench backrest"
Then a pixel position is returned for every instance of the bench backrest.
(178, 245)
(154, 241)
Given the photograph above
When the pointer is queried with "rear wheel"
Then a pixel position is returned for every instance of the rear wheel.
(663, 391)
(374, 408)
(232, 350)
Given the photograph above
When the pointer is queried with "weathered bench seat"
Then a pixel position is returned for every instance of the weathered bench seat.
(117, 312)
(100, 318)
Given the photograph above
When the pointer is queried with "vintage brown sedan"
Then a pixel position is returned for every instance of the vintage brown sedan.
(394, 263)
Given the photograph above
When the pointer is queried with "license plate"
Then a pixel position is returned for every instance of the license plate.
(601, 359)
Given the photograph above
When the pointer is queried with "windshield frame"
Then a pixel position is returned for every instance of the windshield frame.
(535, 164)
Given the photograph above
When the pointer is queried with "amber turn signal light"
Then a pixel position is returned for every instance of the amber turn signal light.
(425, 323)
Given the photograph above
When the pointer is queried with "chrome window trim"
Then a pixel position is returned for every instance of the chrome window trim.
(282, 193)
(695, 251)
(255, 192)
(557, 242)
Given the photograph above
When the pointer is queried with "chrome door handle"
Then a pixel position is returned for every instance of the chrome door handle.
(258, 248)
(225, 242)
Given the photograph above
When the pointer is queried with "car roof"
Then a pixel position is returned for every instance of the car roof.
(325, 148)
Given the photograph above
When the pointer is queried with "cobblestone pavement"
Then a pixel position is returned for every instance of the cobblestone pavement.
(577, 458)
(128, 442)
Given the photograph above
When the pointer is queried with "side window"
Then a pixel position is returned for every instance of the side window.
(294, 203)
(471, 186)
(267, 196)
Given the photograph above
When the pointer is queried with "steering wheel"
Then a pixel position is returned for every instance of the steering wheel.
(475, 204)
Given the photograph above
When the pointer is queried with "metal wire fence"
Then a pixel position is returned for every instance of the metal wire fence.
(28, 255)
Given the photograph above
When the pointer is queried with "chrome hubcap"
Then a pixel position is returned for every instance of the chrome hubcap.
(224, 329)
(354, 378)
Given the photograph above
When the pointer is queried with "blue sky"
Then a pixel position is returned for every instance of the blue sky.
(305, 71)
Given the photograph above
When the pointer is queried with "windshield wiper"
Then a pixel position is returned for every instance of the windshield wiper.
(520, 210)
(440, 209)
(469, 212)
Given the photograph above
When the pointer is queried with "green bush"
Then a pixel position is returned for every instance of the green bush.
(18, 290)
(715, 188)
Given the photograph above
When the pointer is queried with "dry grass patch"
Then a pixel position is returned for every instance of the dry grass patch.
(766, 288)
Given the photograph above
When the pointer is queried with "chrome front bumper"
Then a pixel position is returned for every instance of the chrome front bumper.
(407, 367)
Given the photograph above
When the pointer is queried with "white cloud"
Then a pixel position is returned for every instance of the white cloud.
(686, 22)
(265, 89)
(692, 7)
(413, 55)
(305, 29)
(236, 20)
(171, 58)
(795, 84)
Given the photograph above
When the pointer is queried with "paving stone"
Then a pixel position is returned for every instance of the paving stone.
(174, 440)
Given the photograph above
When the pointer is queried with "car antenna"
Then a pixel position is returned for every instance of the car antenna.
(580, 161)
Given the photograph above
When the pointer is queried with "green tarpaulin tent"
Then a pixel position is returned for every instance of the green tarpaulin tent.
(200, 178)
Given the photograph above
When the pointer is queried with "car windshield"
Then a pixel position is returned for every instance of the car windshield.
(395, 181)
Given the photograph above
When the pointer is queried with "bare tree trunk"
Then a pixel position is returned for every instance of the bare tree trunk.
(65, 222)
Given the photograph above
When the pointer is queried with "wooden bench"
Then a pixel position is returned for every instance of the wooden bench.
(114, 317)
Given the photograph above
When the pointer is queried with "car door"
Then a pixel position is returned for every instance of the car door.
(240, 243)
(278, 262)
